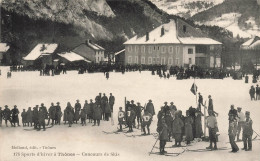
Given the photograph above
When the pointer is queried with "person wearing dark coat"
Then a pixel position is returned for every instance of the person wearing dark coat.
(138, 111)
(57, 114)
(45, 111)
(188, 127)
(246, 79)
(107, 111)
(160, 115)
(29, 116)
(83, 117)
(97, 114)
(257, 92)
(130, 118)
(232, 134)
(24, 119)
(121, 118)
(212, 126)
(133, 107)
(88, 111)
(111, 101)
(146, 122)
(163, 135)
(65, 117)
(168, 120)
(7, 115)
(15, 115)
(91, 106)
(192, 112)
(247, 133)
(150, 108)
(77, 108)
(41, 118)
(98, 99)
(252, 93)
(200, 100)
(177, 128)
(52, 114)
(70, 114)
(35, 116)
(233, 111)
(104, 99)
(198, 125)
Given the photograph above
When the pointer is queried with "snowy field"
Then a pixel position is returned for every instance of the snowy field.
(27, 89)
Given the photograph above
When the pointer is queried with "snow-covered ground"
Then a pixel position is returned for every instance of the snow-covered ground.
(27, 89)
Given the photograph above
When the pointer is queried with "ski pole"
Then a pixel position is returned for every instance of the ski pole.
(256, 133)
(156, 141)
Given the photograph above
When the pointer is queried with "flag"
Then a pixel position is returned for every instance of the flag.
(193, 89)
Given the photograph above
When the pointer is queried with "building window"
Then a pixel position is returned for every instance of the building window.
(177, 50)
(184, 28)
(169, 61)
(190, 61)
(171, 49)
(130, 48)
(163, 49)
(211, 47)
(150, 49)
(177, 61)
(143, 60)
(158, 60)
(136, 49)
(129, 59)
(136, 59)
(154, 48)
(190, 51)
(143, 49)
(149, 60)
(154, 60)
(158, 48)
(163, 60)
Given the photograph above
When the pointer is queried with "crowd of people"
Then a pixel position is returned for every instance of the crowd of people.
(254, 93)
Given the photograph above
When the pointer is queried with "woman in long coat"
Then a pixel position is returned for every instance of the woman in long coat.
(70, 113)
(188, 127)
(177, 128)
(97, 114)
(77, 110)
(29, 116)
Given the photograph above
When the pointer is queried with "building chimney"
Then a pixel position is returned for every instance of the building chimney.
(147, 36)
(162, 31)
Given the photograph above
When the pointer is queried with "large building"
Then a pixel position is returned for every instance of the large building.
(90, 51)
(174, 44)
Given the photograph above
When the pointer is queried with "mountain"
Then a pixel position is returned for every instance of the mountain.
(242, 17)
(185, 8)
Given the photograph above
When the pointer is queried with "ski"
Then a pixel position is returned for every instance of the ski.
(38, 129)
(113, 132)
(206, 150)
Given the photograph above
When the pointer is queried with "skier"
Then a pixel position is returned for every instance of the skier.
(133, 107)
(52, 113)
(88, 111)
(188, 127)
(198, 125)
(150, 108)
(58, 112)
(104, 99)
(247, 133)
(70, 114)
(146, 121)
(121, 118)
(130, 118)
(212, 126)
(241, 121)
(35, 116)
(41, 118)
(107, 111)
(252, 93)
(77, 110)
(15, 117)
(163, 135)
(232, 134)
(7, 115)
(139, 109)
(97, 114)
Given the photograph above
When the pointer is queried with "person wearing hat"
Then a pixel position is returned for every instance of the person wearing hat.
(77, 108)
(198, 124)
(168, 119)
(83, 116)
(130, 118)
(24, 117)
(138, 111)
(252, 93)
(35, 116)
(41, 118)
(97, 114)
(212, 125)
(57, 114)
(111, 101)
(15, 116)
(150, 108)
(45, 110)
(7, 115)
(146, 122)
(91, 106)
(232, 133)
(107, 111)
(70, 114)
(257, 92)
(133, 107)
(52, 114)
(241, 121)
(233, 111)
(98, 99)
(121, 118)
(188, 127)
(163, 135)
(104, 101)
(246, 78)
(29, 115)
(247, 133)
(177, 126)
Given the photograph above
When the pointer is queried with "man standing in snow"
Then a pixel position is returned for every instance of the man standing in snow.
(150, 108)
(146, 121)
(163, 135)
(252, 93)
(121, 118)
(41, 118)
(133, 107)
(200, 100)
(7, 115)
(139, 109)
(15, 117)
(212, 126)
(52, 113)
(232, 133)
(257, 92)
(247, 133)
(77, 110)
(241, 121)
(130, 118)
(111, 101)
(104, 99)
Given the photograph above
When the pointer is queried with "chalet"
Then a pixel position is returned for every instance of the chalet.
(174, 44)
(70, 57)
(90, 51)
(3, 49)
(40, 55)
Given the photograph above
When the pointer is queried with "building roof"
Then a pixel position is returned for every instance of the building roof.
(41, 49)
(119, 52)
(173, 34)
(253, 43)
(71, 56)
(92, 45)
(4, 47)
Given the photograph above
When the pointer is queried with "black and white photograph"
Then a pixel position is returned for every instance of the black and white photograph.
(125, 80)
